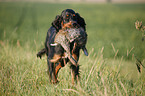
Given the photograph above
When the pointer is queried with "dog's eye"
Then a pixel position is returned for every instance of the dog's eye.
(67, 15)
(74, 15)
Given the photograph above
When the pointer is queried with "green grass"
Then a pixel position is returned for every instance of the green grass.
(108, 70)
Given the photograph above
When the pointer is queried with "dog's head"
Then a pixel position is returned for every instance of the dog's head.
(68, 18)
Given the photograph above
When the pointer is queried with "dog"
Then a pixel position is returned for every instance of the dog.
(68, 18)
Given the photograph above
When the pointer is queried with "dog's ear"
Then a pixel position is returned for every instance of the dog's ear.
(57, 22)
(81, 21)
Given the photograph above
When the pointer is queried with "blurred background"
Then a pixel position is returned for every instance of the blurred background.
(97, 1)
(110, 23)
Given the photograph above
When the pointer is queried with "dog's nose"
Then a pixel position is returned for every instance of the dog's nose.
(74, 24)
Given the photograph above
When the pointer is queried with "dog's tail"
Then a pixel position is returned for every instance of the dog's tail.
(41, 52)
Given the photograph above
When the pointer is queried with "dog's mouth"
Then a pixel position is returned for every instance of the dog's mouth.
(71, 24)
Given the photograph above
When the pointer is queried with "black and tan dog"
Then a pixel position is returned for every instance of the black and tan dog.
(68, 18)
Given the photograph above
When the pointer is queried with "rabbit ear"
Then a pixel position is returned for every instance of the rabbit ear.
(81, 21)
(57, 22)
(85, 51)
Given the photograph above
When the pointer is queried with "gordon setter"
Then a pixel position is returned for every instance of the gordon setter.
(67, 18)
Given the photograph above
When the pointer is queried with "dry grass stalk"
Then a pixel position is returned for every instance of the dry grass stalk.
(113, 47)
(118, 91)
(18, 43)
(116, 53)
(123, 88)
(2, 43)
(102, 49)
(71, 90)
(91, 71)
(105, 89)
(128, 52)
(139, 26)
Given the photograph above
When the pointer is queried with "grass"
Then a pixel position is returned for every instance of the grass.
(109, 69)
(23, 74)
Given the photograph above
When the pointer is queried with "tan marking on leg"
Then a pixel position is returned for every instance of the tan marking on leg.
(57, 68)
(56, 57)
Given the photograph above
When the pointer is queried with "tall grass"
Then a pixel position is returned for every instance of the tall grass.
(23, 74)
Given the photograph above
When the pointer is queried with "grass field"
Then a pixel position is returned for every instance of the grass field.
(112, 43)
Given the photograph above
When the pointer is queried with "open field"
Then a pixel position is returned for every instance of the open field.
(78, 1)
(109, 69)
